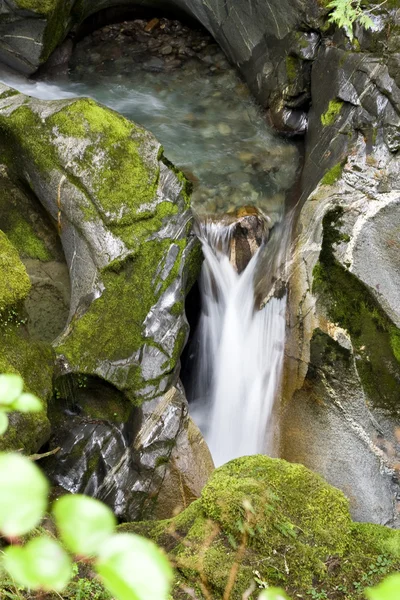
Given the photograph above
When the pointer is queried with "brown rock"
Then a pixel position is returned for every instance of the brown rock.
(188, 470)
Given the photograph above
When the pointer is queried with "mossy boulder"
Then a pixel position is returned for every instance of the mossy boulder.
(33, 361)
(122, 213)
(124, 219)
(278, 524)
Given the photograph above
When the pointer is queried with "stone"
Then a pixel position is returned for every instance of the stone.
(166, 50)
(224, 128)
(188, 471)
(123, 216)
(32, 360)
(343, 337)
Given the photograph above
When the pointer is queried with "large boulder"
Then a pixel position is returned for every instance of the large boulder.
(123, 216)
(262, 522)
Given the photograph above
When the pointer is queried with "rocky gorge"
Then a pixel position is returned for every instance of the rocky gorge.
(99, 252)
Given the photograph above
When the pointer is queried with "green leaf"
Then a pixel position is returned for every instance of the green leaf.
(84, 523)
(273, 593)
(23, 494)
(11, 387)
(15, 562)
(389, 589)
(133, 568)
(27, 403)
(41, 564)
(3, 422)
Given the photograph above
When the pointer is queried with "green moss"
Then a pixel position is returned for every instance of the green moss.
(292, 66)
(23, 236)
(332, 175)
(395, 342)
(124, 182)
(14, 280)
(100, 335)
(295, 530)
(8, 94)
(43, 7)
(333, 110)
(35, 146)
(350, 304)
(32, 361)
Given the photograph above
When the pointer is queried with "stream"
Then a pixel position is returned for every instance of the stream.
(177, 83)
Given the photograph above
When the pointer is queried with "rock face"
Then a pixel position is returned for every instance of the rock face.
(343, 358)
(280, 524)
(122, 213)
(250, 231)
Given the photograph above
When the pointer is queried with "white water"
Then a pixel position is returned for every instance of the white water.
(240, 354)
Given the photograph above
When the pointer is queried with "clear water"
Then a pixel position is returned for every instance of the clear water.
(206, 120)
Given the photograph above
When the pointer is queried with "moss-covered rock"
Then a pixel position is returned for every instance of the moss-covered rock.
(124, 220)
(33, 361)
(276, 523)
(349, 304)
(123, 215)
(15, 283)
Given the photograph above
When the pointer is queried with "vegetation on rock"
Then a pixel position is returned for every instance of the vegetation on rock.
(266, 522)
(350, 305)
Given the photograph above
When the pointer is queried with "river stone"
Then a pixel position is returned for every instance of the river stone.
(188, 471)
(143, 462)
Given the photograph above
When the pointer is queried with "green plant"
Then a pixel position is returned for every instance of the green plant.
(347, 12)
(389, 589)
(318, 594)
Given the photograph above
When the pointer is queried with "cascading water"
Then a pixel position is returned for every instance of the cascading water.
(240, 352)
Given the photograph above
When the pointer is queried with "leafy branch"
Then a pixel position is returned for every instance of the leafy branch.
(347, 12)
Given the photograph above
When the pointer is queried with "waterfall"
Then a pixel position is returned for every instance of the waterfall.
(240, 352)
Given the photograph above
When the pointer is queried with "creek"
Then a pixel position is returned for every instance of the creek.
(177, 83)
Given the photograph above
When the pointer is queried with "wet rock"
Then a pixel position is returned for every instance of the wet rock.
(248, 231)
(143, 463)
(188, 471)
(344, 364)
(166, 50)
(154, 64)
(128, 244)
